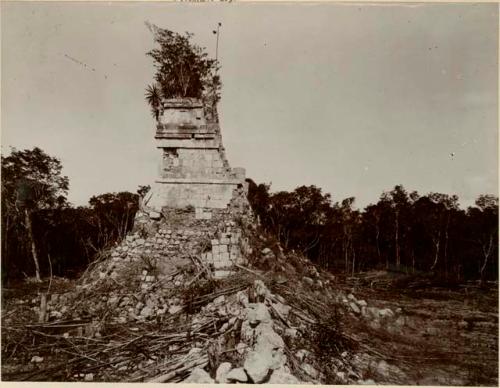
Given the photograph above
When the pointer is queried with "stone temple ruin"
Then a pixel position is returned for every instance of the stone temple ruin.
(196, 191)
(155, 289)
(193, 169)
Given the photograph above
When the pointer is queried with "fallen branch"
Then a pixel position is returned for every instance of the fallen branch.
(249, 270)
(202, 362)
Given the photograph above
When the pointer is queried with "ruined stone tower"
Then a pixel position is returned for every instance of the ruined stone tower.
(197, 205)
(192, 169)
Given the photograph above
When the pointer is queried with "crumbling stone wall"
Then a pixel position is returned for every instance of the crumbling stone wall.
(193, 169)
(214, 236)
(225, 251)
(191, 163)
(180, 193)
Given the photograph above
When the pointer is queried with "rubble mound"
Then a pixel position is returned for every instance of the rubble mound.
(207, 297)
(181, 298)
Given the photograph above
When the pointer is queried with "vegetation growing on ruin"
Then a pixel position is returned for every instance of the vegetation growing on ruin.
(183, 70)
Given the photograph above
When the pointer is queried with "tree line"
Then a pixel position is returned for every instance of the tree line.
(43, 234)
(404, 231)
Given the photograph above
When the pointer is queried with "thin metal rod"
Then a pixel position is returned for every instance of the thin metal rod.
(217, 48)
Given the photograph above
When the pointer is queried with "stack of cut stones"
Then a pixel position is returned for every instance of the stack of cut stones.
(225, 252)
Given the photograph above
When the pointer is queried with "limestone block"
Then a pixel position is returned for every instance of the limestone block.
(224, 256)
(257, 313)
(222, 371)
(354, 307)
(282, 376)
(220, 264)
(237, 375)
(241, 260)
(221, 274)
(199, 376)
(223, 248)
(206, 215)
(257, 364)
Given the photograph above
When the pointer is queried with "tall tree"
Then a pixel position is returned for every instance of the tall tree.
(259, 198)
(484, 219)
(31, 181)
(399, 201)
(114, 215)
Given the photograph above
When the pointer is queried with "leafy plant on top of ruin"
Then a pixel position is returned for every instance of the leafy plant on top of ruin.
(149, 264)
(183, 70)
(153, 97)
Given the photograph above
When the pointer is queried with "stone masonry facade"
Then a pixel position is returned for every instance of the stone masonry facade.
(196, 192)
(192, 169)
(218, 242)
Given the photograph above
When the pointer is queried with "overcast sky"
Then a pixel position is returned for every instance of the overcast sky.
(352, 98)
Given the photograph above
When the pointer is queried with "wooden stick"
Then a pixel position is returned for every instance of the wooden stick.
(43, 308)
(202, 362)
(249, 270)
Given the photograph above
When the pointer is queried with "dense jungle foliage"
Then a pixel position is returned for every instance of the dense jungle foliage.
(404, 231)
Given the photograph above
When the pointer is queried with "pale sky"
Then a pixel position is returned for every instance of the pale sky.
(351, 98)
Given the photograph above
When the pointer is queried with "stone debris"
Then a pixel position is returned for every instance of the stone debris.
(258, 366)
(241, 347)
(222, 371)
(199, 376)
(301, 354)
(89, 377)
(160, 265)
(386, 313)
(310, 370)
(261, 290)
(362, 303)
(257, 313)
(237, 375)
(174, 309)
(283, 376)
(291, 333)
(259, 354)
(354, 307)
(266, 346)
(366, 382)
